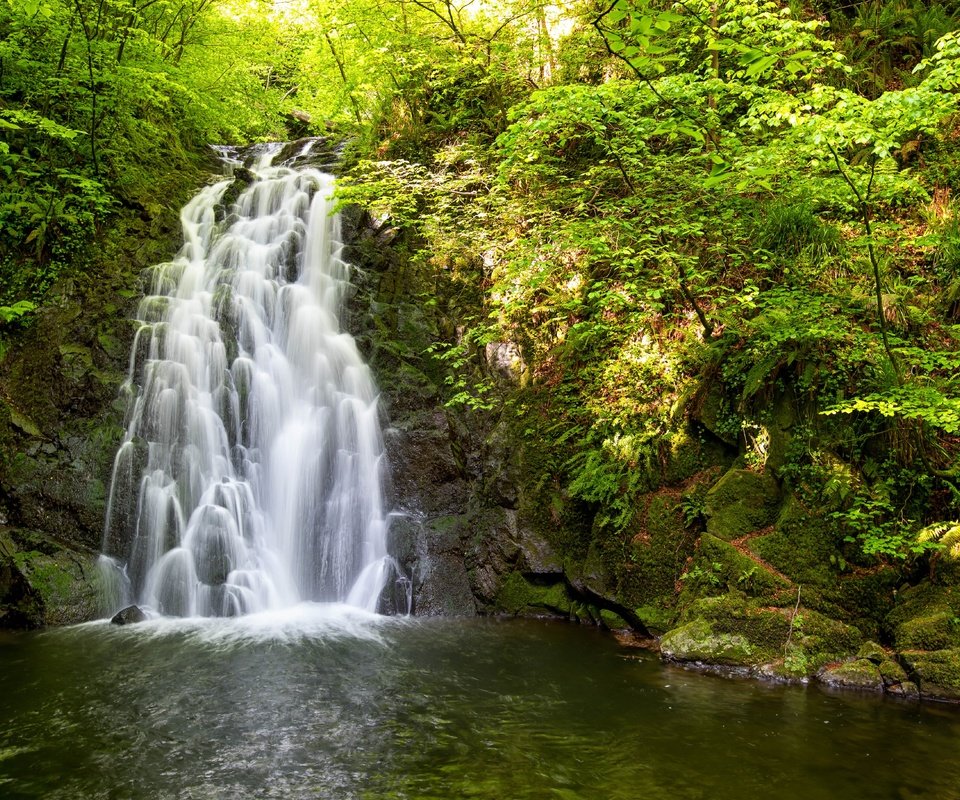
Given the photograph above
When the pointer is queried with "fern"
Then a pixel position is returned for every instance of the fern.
(945, 534)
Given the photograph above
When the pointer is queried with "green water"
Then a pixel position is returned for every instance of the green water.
(335, 707)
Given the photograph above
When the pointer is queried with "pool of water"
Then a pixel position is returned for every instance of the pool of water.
(327, 703)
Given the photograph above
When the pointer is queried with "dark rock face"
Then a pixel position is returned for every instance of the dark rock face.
(61, 417)
(128, 616)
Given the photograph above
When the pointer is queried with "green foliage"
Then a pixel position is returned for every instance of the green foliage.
(791, 230)
(16, 311)
(101, 103)
(945, 535)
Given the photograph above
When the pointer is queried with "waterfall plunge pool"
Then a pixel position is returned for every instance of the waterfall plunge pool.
(323, 701)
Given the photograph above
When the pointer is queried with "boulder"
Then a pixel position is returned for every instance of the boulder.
(860, 674)
(128, 616)
(741, 502)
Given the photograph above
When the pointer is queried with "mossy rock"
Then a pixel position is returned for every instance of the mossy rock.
(892, 673)
(713, 410)
(522, 597)
(638, 566)
(739, 571)
(871, 651)
(741, 502)
(698, 641)
(793, 645)
(937, 631)
(860, 674)
(612, 620)
(44, 583)
(656, 620)
(801, 545)
(937, 673)
(734, 622)
(927, 617)
(689, 455)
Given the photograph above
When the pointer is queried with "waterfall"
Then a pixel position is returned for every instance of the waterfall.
(250, 477)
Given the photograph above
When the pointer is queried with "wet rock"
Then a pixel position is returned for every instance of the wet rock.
(128, 616)
(861, 674)
(698, 641)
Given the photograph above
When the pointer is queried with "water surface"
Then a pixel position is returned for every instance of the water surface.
(328, 702)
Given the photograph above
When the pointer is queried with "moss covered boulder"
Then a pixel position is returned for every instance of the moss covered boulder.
(937, 673)
(738, 571)
(861, 673)
(734, 630)
(741, 502)
(699, 641)
(43, 583)
(926, 617)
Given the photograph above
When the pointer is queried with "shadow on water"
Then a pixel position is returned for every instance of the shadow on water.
(331, 703)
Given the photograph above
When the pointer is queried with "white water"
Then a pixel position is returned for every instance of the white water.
(250, 476)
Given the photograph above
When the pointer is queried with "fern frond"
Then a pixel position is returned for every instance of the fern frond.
(946, 533)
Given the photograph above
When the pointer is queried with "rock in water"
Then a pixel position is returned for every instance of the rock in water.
(128, 616)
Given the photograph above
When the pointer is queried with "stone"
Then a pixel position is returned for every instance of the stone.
(936, 631)
(741, 502)
(872, 652)
(860, 674)
(698, 641)
(937, 673)
(128, 616)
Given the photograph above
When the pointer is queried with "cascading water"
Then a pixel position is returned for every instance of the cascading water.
(250, 476)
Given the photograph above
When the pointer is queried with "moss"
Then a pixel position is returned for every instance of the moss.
(801, 545)
(790, 645)
(926, 617)
(872, 652)
(714, 411)
(824, 639)
(655, 619)
(739, 571)
(517, 595)
(892, 673)
(937, 631)
(938, 673)
(640, 566)
(45, 584)
(860, 674)
(741, 502)
(613, 620)
(735, 615)
(689, 455)
(699, 641)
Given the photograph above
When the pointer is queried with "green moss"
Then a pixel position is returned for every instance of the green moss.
(738, 571)
(801, 545)
(735, 616)
(655, 619)
(45, 583)
(612, 620)
(872, 652)
(517, 595)
(926, 617)
(741, 502)
(938, 673)
(892, 673)
(689, 455)
(789, 645)
(937, 631)
(699, 641)
(860, 674)
(824, 639)
(640, 566)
